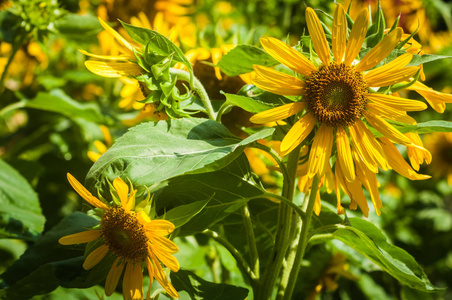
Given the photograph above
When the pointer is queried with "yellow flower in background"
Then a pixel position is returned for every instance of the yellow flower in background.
(440, 144)
(336, 98)
(336, 268)
(4, 4)
(132, 237)
(100, 146)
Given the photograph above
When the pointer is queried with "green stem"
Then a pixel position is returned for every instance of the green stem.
(303, 241)
(241, 262)
(254, 255)
(282, 241)
(12, 106)
(198, 88)
(222, 110)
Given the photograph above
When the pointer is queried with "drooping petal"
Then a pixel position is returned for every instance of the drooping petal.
(95, 257)
(113, 277)
(278, 113)
(288, 56)
(436, 99)
(320, 151)
(380, 51)
(80, 238)
(372, 145)
(277, 82)
(113, 69)
(151, 276)
(84, 193)
(318, 36)
(369, 180)
(344, 154)
(339, 37)
(398, 103)
(359, 146)
(299, 131)
(132, 284)
(385, 128)
(417, 154)
(159, 275)
(397, 162)
(357, 36)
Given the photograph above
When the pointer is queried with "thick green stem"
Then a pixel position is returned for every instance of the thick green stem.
(282, 241)
(303, 241)
(241, 262)
(224, 108)
(198, 88)
(275, 156)
(254, 255)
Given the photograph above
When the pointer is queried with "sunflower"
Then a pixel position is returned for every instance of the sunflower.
(132, 237)
(339, 105)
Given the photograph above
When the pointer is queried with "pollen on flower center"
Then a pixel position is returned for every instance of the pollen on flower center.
(124, 234)
(336, 94)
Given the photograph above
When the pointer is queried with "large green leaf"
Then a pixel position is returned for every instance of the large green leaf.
(78, 26)
(241, 59)
(199, 288)
(368, 240)
(228, 190)
(47, 264)
(153, 152)
(58, 101)
(247, 103)
(425, 127)
(20, 211)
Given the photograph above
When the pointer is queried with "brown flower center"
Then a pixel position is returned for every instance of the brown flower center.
(336, 94)
(124, 235)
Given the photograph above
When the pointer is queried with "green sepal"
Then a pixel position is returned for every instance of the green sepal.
(376, 31)
(403, 85)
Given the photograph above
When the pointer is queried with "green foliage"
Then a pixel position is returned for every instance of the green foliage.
(20, 212)
(241, 59)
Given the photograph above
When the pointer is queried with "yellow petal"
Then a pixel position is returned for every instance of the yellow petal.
(385, 128)
(358, 145)
(151, 276)
(108, 57)
(95, 257)
(380, 51)
(392, 77)
(166, 258)
(84, 193)
(132, 284)
(299, 131)
(80, 238)
(113, 277)
(389, 113)
(397, 102)
(339, 37)
(106, 134)
(100, 146)
(160, 227)
(288, 56)
(372, 146)
(277, 82)
(159, 275)
(397, 162)
(94, 156)
(116, 35)
(278, 113)
(357, 36)
(122, 189)
(320, 151)
(164, 244)
(344, 154)
(113, 69)
(216, 55)
(318, 36)
(369, 180)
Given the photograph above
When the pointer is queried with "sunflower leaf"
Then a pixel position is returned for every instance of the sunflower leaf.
(241, 59)
(368, 240)
(154, 152)
(20, 211)
(247, 103)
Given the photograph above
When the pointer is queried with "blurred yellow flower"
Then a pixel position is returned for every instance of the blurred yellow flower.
(132, 237)
(440, 145)
(100, 146)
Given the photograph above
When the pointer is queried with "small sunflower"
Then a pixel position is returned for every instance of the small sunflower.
(339, 104)
(132, 237)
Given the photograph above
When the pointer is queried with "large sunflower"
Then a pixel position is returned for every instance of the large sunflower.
(132, 237)
(338, 99)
